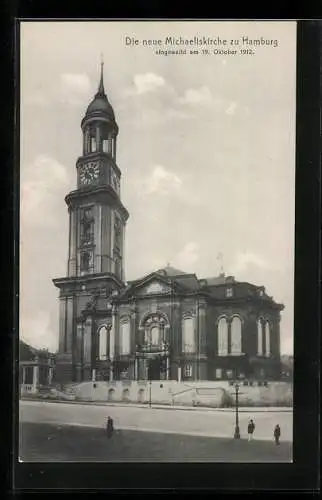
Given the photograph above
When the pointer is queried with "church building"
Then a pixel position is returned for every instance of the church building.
(168, 325)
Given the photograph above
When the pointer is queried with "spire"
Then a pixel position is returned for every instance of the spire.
(101, 91)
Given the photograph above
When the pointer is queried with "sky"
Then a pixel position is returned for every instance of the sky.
(206, 148)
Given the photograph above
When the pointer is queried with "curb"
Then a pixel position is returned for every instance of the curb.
(157, 406)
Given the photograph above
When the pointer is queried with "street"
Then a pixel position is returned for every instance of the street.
(212, 423)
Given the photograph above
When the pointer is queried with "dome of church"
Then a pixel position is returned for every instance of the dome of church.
(100, 104)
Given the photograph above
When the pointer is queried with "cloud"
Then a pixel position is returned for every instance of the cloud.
(161, 181)
(36, 330)
(197, 96)
(245, 260)
(188, 256)
(40, 183)
(38, 98)
(231, 108)
(76, 82)
(146, 82)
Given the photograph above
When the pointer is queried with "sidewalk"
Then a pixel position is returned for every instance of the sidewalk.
(251, 409)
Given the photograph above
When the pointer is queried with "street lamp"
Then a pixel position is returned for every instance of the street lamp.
(150, 382)
(237, 430)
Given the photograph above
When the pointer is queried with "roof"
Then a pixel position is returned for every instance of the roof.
(170, 271)
(28, 353)
(219, 280)
(100, 104)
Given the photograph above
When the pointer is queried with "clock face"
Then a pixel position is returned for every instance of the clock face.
(89, 173)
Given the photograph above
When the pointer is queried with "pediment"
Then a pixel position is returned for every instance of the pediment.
(154, 287)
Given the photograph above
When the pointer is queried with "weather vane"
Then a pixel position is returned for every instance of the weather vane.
(220, 257)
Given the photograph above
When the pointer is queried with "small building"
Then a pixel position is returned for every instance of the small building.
(36, 368)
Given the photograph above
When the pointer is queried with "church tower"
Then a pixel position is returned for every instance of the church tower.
(97, 220)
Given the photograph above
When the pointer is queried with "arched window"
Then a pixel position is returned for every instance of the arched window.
(259, 337)
(125, 337)
(267, 339)
(102, 343)
(155, 327)
(236, 336)
(222, 337)
(155, 335)
(188, 335)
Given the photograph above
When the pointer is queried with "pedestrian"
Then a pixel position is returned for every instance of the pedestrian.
(250, 430)
(277, 434)
(109, 427)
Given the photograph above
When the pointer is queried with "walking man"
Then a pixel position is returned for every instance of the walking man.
(250, 430)
(277, 434)
(109, 427)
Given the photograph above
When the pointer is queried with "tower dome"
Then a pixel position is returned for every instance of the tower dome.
(100, 105)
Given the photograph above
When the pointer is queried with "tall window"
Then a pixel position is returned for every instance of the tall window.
(236, 335)
(267, 339)
(102, 343)
(154, 326)
(188, 335)
(259, 338)
(125, 337)
(155, 335)
(187, 372)
(105, 145)
(93, 144)
(222, 337)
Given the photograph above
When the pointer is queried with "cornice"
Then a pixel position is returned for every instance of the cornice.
(97, 193)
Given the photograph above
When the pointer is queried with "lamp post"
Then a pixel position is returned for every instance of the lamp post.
(237, 431)
(150, 382)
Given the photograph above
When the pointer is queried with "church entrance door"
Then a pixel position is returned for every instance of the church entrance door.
(157, 369)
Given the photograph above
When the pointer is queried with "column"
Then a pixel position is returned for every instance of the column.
(62, 324)
(167, 368)
(35, 380)
(84, 142)
(93, 375)
(50, 375)
(179, 373)
(69, 324)
(88, 142)
(88, 341)
(112, 342)
(23, 374)
(202, 328)
(72, 264)
(98, 138)
(136, 368)
(110, 140)
(86, 137)
(98, 240)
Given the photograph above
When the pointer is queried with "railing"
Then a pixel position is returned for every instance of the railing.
(27, 388)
